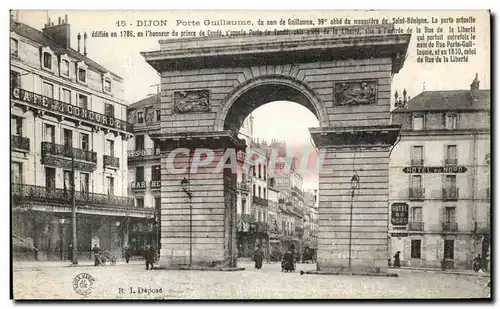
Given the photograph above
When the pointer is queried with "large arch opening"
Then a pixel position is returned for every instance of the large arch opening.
(280, 210)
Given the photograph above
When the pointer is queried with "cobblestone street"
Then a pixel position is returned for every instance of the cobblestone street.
(269, 282)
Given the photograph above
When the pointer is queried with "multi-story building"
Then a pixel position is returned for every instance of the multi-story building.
(69, 130)
(440, 171)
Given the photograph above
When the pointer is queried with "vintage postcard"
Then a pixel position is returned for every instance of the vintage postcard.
(250, 154)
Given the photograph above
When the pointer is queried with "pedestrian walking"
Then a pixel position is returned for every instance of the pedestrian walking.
(397, 262)
(70, 252)
(128, 254)
(258, 257)
(149, 256)
(97, 258)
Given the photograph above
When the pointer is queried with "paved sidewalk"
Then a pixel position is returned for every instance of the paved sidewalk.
(466, 272)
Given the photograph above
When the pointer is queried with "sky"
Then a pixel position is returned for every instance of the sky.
(122, 56)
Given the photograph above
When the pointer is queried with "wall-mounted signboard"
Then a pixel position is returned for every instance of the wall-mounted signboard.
(399, 214)
(434, 169)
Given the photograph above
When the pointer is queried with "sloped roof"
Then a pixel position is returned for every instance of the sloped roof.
(39, 37)
(448, 100)
(149, 101)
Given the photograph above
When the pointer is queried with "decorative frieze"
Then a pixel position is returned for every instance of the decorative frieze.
(355, 93)
(191, 101)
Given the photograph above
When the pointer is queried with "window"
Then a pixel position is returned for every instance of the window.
(83, 101)
(65, 67)
(139, 142)
(84, 137)
(84, 182)
(109, 110)
(139, 173)
(48, 90)
(264, 193)
(68, 138)
(49, 134)
(50, 178)
(67, 180)
(17, 172)
(416, 245)
(110, 185)
(259, 169)
(449, 215)
(260, 216)
(157, 203)
(450, 182)
(140, 117)
(16, 125)
(264, 173)
(416, 182)
(243, 206)
(158, 115)
(66, 96)
(449, 249)
(260, 191)
(107, 84)
(417, 155)
(139, 201)
(82, 75)
(110, 147)
(14, 47)
(451, 154)
(47, 60)
(416, 214)
(451, 122)
(254, 191)
(15, 79)
(156, 173)
(418, 122)
(253, 170)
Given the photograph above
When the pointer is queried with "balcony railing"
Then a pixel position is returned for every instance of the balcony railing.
(63, 198)
(49, 148)
(20, 142)
(416, 194)
(417, 162)
(260, 201)
(244, 186)
(155, 184)
(415, 226)
(138, 185)
(450, 161)
(450, 226)
(450, 194)
(111, 161)
(247, 218)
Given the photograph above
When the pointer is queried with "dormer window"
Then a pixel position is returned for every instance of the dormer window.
(64, 66)
(47, 61)
(81, 72)
(451, 121)
(14, 47)
(107, 84)
(418, 122)
(47, 58)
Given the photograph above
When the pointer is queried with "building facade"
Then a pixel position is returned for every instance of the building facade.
(440, 169)
(69, 130)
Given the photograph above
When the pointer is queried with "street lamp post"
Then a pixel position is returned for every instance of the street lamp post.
(354, 186)
(185, 188)
(73, 207)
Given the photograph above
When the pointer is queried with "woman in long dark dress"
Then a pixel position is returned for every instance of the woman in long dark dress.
(397, 262)
(258, 257)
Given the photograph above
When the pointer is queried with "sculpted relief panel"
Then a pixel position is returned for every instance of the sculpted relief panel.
(191, 101)
(355, 93)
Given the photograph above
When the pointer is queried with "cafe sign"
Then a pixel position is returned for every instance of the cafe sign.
(434, 170)
(68, 109)
(399, 214)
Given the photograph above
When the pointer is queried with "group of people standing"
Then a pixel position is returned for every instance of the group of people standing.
(258, 256)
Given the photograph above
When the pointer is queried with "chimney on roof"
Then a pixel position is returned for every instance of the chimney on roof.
(78, 37)
(474, 88)
(59, 33)
(85, 44)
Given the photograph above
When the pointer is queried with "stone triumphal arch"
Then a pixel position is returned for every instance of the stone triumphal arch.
(210, 85)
